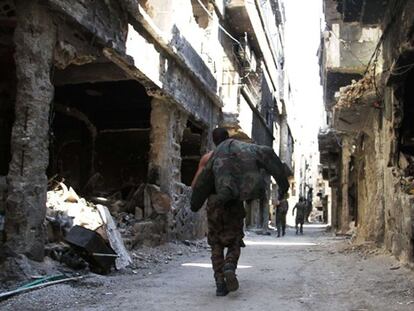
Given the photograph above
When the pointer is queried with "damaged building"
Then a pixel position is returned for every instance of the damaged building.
(366, 152)
(117, 99)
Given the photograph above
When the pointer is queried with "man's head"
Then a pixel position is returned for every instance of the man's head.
(219, 135)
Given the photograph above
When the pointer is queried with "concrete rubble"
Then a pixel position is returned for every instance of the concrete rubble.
(366, 59)
(362, 91)
(66, 210)
(120, 103)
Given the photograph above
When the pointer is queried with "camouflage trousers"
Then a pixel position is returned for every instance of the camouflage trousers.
(225, 230)
(300, 219)
(281, 222)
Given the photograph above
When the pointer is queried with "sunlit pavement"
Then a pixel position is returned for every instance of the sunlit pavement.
(294, 272)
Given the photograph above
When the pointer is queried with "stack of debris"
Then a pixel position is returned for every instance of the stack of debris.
(88, 228)
(141, 216)
(362, 91)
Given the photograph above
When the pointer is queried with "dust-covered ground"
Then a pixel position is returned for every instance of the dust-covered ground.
(315, 271)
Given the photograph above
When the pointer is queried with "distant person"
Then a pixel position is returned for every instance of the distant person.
(281, 210)
(300, 215)
(228, 176)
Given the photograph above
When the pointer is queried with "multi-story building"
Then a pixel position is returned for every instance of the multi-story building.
(264, 87)
(366, 70)
(110, 95)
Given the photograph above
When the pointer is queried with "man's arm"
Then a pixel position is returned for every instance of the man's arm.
(293, 211)
(203, 161)
(272, 164)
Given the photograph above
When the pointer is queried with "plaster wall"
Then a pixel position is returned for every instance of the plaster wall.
(350, 46)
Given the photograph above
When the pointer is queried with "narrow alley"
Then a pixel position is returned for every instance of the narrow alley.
(145, 144)
(315, 271)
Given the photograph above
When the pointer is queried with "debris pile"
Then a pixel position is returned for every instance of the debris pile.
(88, 228)
(362, 91)
(147, 258)
(141, 217)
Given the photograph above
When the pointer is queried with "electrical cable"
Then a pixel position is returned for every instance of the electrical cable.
(220, 26)
(231, 37)
(398, 6)
(345, 46)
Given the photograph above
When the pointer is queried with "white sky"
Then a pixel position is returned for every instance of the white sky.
(302, 38)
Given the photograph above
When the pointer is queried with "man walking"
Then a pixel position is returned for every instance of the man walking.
(225, 229)
(281, 210)
(227, 177)
(300, 214)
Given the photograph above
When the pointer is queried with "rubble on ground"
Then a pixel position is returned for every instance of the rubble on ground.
(88, 228)
(146, 257)
(136, 219)
(128, 227)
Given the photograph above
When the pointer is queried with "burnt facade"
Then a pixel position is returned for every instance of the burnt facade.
(366, 152)
(118, 99)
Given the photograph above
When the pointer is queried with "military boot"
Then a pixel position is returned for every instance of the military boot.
(229, 271)
(221, 288)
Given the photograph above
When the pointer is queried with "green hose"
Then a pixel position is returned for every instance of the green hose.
(44, 279)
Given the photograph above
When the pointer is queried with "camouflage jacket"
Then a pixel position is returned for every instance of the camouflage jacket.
(234, 172)
(282, 207)
(300, 209)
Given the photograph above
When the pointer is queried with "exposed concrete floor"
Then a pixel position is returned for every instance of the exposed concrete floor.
(311, 272)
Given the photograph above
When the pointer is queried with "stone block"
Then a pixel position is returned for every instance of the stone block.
(160, 201)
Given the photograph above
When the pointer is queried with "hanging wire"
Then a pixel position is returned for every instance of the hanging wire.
(395, 12)
(219, 25)
(229, 35)
(345, 46)
(405, 69)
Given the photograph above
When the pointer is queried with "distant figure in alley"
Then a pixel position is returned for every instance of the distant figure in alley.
(228, 176)
(300, 208)
(281, 210)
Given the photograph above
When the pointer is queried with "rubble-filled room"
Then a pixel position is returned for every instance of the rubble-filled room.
(100, 137)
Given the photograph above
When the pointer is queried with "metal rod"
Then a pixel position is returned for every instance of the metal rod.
(105, 255)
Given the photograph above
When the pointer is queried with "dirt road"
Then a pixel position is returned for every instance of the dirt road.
(311, 272)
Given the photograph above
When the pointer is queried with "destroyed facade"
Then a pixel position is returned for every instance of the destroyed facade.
(366, 150)
(117, 99)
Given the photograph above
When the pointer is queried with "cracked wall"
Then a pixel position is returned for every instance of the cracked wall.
(385, 203)
(168, 125)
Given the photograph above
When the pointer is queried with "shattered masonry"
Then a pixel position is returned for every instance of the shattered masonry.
(367, 151)
(118, 99)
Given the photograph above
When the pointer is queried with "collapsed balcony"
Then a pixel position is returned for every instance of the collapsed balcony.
(356, 104)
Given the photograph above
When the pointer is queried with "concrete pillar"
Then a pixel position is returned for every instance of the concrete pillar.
(167, 126)
(26, 202)
(346, 157)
